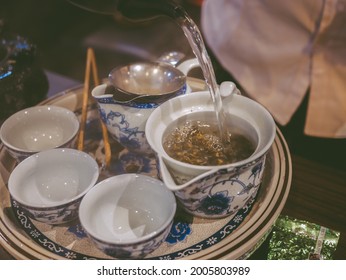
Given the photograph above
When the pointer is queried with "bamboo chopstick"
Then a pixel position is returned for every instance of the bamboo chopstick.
(91, 66)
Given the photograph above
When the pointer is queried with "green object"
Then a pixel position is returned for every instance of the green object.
(294, 239)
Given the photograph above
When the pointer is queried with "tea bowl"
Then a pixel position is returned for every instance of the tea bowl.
(38, 128)
(49, 185)
(212, 191)
(132, 93)
(128, 216)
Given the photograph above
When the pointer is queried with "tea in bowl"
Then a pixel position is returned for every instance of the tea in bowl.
(207, 179)
(49, 185)
(39, 128)
(128, 216)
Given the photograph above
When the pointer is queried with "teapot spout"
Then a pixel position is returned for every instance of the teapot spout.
(101, 92)
(107, 93)
(175, 182)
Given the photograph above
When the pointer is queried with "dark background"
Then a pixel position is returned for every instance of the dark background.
(63, 32)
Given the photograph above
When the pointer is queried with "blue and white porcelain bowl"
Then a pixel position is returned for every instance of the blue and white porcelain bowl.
(39, 128)
(49, 185)
(221, 190)
(128, 216)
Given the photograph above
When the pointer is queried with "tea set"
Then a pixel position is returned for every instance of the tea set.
(130, 215)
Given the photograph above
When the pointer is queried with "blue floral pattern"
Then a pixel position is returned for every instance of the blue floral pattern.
(179, 232)
(130, 137)
(54, 215)
(224, 192)
(215, 204)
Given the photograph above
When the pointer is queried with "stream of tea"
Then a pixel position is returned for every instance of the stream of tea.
(141, 10)
(196, 42)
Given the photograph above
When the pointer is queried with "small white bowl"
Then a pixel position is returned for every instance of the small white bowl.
(49, 185)
(128, 216)
(37, 129)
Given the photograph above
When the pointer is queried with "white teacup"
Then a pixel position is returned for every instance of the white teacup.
(212, 191)
(37, 129)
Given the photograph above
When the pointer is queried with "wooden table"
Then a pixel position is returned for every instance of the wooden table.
(318, 195)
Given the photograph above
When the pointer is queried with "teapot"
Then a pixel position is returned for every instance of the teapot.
(132, 93)
(212, 191)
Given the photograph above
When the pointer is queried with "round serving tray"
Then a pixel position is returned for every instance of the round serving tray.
(234, 237)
